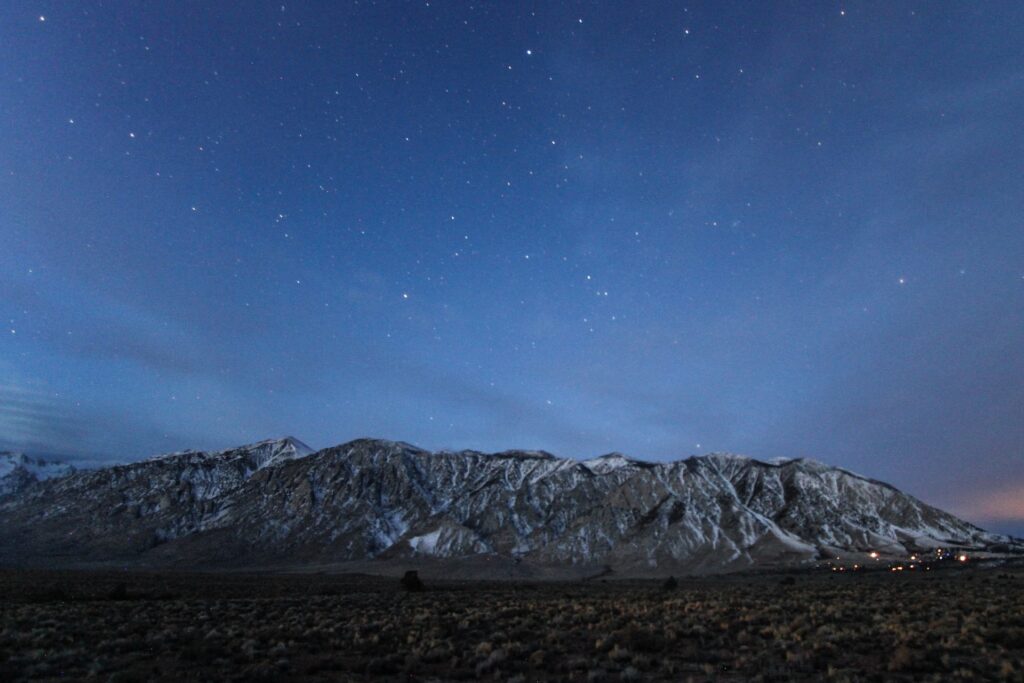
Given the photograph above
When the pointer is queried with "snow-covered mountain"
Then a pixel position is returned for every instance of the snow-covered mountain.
(252, 457)
(19, 471)
(275, 503)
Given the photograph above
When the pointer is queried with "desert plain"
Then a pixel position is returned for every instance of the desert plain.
(955, 624)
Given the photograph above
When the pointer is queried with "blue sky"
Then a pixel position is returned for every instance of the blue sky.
(655, 228)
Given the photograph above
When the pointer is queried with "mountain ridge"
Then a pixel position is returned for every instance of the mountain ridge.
(278, 502)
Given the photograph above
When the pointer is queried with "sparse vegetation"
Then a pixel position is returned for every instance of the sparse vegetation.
(128, 627)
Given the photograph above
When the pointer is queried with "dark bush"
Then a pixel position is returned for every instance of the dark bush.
(411, 581)
(643, 640)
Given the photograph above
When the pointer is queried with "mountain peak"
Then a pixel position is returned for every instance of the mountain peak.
(270, 451)
(260, 454)
(290, 443)
(373, 443)
(19, 471)
(609, 462)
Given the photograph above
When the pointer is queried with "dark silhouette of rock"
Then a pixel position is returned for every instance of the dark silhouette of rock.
(411, 581)
(670, 584)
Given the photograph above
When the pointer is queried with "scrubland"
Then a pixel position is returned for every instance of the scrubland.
(114, 626)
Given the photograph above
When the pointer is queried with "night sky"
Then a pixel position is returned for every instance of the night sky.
(774, 229)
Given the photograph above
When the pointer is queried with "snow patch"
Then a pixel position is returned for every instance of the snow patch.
(607, 463)
(425, 544)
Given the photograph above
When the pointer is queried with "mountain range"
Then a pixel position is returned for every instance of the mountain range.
(374, 503)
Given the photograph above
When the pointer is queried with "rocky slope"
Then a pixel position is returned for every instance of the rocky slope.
(278, 504)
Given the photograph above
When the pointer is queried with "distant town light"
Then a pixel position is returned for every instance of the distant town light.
(962, 558)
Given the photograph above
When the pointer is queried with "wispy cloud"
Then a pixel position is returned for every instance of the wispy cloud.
(35, 420)
(38, 420)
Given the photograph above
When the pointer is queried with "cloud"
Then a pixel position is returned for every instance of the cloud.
(34, 420)
(38, 420)
(74, 321)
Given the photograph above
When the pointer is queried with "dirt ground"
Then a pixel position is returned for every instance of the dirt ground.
(964, 624)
